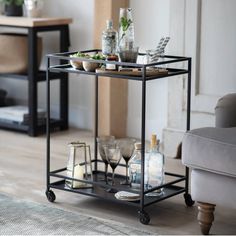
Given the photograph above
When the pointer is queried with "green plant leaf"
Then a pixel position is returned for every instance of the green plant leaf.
(125, 23)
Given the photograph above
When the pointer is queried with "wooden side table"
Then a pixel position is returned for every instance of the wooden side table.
(33, 26)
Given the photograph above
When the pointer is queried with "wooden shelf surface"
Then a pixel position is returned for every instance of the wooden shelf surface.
(33, 22)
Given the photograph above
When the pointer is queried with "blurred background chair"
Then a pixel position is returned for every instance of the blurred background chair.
(211, 155)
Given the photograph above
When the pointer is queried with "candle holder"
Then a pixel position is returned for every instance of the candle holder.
(79, 165)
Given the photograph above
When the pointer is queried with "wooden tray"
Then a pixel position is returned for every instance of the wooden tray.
(134, 72)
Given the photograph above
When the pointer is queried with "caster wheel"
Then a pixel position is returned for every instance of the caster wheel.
(50, 196)
(144, 217)
(188, 200)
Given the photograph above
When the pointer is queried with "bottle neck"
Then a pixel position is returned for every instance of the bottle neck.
(109, 25)
(154, 143)
(154, 148)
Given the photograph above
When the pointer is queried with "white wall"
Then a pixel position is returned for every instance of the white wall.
(151, 19)
(81, 35)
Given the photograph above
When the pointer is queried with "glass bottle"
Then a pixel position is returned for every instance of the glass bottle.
(126, 30)
(135, 167)
(155, 167)
(109, 39)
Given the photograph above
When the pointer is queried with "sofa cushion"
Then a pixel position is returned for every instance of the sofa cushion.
(211, 149)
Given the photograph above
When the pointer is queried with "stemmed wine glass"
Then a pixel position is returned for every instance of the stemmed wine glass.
(113, 156)
(103, 141)
(127, 148)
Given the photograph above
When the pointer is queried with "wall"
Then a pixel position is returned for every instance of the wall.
(81, 34)
(151, 20)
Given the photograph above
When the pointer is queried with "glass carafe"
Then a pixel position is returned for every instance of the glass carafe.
(126, 30)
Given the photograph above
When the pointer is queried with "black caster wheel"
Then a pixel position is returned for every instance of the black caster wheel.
(188, 200)
(50, 196)
(144, 217)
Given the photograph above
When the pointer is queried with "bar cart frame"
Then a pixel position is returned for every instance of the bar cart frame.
(170, 188)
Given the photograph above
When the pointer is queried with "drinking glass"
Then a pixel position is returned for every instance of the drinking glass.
(113, 156)
(128, 55)
(127, 148)
(103, 141)
(151, 56)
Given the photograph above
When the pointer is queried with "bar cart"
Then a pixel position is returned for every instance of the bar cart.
(171, 187)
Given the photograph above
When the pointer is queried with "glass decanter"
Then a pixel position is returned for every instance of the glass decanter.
(126, 29)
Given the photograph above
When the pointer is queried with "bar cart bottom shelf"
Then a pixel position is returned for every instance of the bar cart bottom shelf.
(99, 190)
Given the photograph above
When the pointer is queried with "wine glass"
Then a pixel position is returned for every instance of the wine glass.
(113, 156)
(127, 148)
(103, 141)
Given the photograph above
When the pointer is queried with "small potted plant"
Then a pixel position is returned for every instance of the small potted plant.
(13, 7)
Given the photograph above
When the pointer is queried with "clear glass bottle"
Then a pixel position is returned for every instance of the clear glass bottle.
(109, 39)
(135, 167)
(155, 167)
(126, 30)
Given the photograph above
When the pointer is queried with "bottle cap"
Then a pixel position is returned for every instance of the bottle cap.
(138, 146)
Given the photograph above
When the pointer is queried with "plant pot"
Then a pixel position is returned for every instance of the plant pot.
(13, 10)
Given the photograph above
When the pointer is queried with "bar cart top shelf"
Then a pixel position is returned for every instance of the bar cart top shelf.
(168, 60)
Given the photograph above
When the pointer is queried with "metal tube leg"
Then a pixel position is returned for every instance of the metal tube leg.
(187, 196)
(143, 141)
(189, 93)
(48, 123)
(96, 124)
(143, 216)
(188, 117)
(32, 84)
(64, 83)
(49, 193)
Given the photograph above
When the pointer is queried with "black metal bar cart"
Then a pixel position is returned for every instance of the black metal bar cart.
(171, 188)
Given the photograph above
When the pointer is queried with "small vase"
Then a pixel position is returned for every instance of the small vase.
(126, 30)
(33, 8)
(13, 10)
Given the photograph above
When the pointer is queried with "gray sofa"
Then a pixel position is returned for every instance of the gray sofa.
(211, 155)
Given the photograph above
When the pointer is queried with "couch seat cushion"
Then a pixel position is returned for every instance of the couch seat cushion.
(211, 149)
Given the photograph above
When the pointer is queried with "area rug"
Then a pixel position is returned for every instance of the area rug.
(20, 217)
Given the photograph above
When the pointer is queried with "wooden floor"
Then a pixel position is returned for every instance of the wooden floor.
(22, 174)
